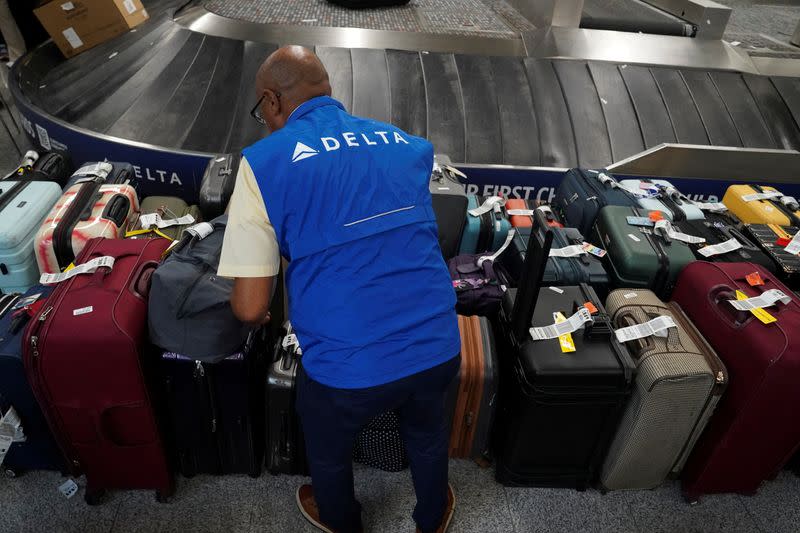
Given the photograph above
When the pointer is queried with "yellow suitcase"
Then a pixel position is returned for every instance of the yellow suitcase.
(753, 205)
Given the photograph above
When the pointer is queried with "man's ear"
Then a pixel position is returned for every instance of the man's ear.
(273, 102)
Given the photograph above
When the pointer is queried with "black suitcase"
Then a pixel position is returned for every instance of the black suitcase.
(217, 185)
(582, 193)
(216, 411)
(50, 166)
(585, 268)
(787, 265)
(285, 450)
(558, 411)
(450, 206)
(717, 228)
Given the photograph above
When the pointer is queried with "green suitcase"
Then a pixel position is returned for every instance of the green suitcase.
(637, 257)
(168, 207)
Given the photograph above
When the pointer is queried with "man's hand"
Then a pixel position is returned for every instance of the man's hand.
(251, 298)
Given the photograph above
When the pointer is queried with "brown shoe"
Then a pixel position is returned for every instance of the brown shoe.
(308, 507)
(448, 511)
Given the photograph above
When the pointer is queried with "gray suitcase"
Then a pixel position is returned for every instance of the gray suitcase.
(679, 381)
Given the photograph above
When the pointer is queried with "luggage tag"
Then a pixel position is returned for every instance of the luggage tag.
(666, 227)
(493, 203)
(201, 230)
(509, 238)
(756, 305)
(640, 221)
(69, 488)
(520, 212)
(289, 341)
(648, 329)
(92, 172)
(568, 251)
(794, 245)
(572, 324)
(767, 195)
(594, 250)
(710, 206)
(722, 248)
(790, 202)
(9, 425)
(86, 268)
(605, 179)
(154, 219)
(565, 340)
(754, 279)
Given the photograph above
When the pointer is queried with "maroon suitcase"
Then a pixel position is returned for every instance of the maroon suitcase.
(756, 426)
(86, 357)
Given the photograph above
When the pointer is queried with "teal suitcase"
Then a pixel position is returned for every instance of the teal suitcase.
(486, 232)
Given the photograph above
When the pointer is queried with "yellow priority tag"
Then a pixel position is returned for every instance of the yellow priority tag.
(565, 340)
(760, 314)
(69, 267)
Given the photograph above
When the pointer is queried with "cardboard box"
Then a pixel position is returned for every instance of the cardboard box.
(77, 25)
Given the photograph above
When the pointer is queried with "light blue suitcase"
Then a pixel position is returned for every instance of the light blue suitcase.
(484, 233)
(23, 207)
(660, 195)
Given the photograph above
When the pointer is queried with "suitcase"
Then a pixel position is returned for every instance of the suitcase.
(717, 228)
(86, 210)
(217, 185)
(473, 396)
(23, 207)
(781, 210)
(583, 193)
(168, 208)
(585, 268)
(285, 449)
(108, 172)
(786, 265)
(39, 450)
(486, 232)
(661, 195)
(50, 166)
(216, 411)
(88, 362)
(675, 392)
(754, 430)
(450, 207)
(380, 445)
(638, 258)
(558, 411)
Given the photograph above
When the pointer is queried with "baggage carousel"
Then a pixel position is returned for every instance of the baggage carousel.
(178, 90)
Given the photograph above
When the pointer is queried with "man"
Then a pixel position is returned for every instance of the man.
(345, 200)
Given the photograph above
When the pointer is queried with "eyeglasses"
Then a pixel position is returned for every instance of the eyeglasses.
(256, 111)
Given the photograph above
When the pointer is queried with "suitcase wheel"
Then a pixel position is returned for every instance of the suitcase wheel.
(165, 496)
(95, 497)
(12, 472)
(691, 499)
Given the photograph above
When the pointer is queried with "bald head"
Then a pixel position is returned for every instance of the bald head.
(289, 76)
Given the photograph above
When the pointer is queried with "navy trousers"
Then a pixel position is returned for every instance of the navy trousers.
(331, 419)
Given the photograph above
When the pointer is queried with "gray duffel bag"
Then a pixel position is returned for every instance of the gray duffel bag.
(189, 311)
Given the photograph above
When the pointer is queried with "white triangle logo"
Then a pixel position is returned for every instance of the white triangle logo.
(301, 151)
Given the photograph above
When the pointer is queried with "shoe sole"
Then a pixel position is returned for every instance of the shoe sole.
(307, 516)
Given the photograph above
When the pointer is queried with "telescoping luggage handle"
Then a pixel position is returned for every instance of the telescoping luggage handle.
(538, 251)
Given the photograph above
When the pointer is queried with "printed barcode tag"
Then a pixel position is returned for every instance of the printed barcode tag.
(154, 219)
(666, 225)
(565, 340)
(572, 324)
(520, 212)
(488, 205)
(130, 7)
(201, 230)
(86, 268)
(766, 299)
(102, 170)
(568, 251)
(722, 248)
(760, 314)
(647, 329)
(69, 488)
(767, 195)
(509, 238)
(72, 37)
(794, 245)
(714, 206)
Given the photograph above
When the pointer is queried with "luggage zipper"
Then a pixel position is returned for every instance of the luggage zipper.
(661, 280)
(485, 232)
(12, 193)
(62, 235)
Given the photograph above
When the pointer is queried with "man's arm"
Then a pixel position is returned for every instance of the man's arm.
(250, 252)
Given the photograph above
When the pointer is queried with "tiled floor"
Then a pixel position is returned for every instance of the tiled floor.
(237, 504)
(456, 17)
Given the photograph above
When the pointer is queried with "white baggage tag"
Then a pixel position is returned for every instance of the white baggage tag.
(521, 212)
(12, 421)
(769, 195)
(291, 340)
(640, 331)
(572, 324)
(789, 201)
(154, 219)
(509, 238)
(677, 235)
(201, 230)
(69, 488)
(721, 248)
(488, 205)
(711, 206)
(605, 179)
(766, 299)
(6, 439)
(794, 245)
(101, 170)
(86, 268)
(567, 251)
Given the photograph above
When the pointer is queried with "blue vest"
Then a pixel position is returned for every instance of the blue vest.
(370, 296)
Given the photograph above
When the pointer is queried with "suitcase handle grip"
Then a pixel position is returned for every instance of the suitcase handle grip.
(720, 296)
(117, 210)
(141, 279)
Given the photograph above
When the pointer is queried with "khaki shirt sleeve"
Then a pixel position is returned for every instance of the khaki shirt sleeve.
(250, 248)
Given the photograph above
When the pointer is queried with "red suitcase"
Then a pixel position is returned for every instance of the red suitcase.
(756, 427)
(85, 355)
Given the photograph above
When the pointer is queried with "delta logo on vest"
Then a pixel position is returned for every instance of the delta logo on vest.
(331, 144)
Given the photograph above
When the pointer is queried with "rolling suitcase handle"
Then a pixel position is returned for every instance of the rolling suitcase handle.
(117, 210)
(142, 278)
(532, 274)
